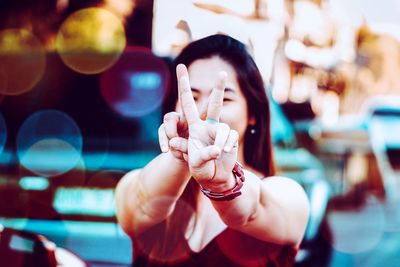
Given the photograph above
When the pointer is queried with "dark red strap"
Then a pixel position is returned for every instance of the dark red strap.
(229, 194)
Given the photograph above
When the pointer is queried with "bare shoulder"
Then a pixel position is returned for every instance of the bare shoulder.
(281, 182)
(290, 194)
(284, 186)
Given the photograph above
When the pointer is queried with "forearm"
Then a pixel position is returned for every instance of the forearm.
(274, 210)
(164, 176)
(239, 211)
(149, 196)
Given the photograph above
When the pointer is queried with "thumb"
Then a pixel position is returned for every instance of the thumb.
(203, 155)
(179, 144)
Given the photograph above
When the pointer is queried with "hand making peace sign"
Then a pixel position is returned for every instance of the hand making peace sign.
(210, 147)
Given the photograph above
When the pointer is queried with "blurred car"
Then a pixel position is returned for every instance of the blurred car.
(299, 164)
(382, 122)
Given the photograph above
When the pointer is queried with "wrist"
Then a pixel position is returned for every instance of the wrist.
(220, 186)
(231, 193)
(179, 165)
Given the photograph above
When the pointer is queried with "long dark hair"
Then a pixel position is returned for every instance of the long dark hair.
(257, 145)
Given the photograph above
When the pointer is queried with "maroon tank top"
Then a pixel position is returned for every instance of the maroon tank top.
(229, 248)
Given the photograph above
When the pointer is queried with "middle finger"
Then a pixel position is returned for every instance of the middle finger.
(216, 99)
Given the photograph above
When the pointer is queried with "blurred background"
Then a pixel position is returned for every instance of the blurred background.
(81, 89)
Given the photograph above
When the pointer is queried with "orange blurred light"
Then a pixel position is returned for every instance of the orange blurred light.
(22, 61)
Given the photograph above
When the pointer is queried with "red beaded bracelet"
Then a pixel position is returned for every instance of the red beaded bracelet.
(231, 193)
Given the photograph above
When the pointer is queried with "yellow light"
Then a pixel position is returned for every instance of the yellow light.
(91, 40)
(22, 61)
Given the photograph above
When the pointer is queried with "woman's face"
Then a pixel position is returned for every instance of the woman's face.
(203, 75)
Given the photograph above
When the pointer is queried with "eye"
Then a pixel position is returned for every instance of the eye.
(227, 99)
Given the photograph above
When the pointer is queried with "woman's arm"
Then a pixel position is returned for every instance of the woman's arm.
(275, 209)
(147, 196)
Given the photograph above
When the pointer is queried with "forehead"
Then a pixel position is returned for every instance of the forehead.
(203, 73)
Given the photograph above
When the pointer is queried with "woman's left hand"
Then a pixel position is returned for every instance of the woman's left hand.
(212, 146)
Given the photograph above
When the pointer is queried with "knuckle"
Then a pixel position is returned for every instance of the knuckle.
(176, 143)
(203, 155)
(169, 116)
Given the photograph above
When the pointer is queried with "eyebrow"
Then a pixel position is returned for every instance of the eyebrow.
(227, 89)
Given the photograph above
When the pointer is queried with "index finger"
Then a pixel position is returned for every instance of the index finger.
(216, 99)
(185, 95)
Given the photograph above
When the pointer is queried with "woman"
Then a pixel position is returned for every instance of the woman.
(220, 117)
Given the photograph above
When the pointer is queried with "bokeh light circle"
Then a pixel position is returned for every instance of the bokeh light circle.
(91, 40)
(95, 152)
(22, 61)
(49, 143)
(3, 133)
(136, 85)
(3, 79)
(74, 177)
(360, 230)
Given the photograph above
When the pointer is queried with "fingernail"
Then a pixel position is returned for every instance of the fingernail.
(180, 66)
(164, 148)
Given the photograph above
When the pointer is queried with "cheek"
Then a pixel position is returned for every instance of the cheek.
(235, 118)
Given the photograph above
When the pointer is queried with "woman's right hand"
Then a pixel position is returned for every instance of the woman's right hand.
(173, 135)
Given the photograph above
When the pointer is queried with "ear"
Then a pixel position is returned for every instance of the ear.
(252, 120)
